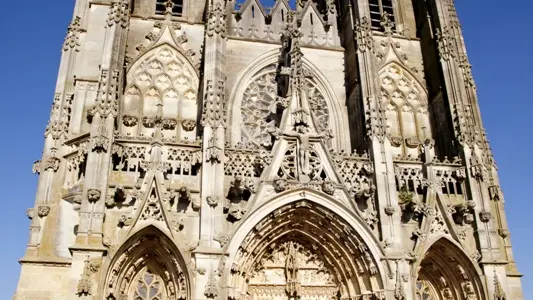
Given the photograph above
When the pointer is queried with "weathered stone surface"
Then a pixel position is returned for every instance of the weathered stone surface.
(273, 153)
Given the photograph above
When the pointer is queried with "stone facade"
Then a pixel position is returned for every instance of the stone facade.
(310, 150)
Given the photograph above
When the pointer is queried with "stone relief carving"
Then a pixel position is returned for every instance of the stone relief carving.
(43, 210)
(238, 194)
(52, 163)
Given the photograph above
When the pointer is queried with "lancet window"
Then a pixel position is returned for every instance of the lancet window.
(177, 8)
(377, 9)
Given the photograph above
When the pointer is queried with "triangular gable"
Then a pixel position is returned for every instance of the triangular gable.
(164, 33)
(152, 210)
(258, 8)
(311, 8)
(276, 10)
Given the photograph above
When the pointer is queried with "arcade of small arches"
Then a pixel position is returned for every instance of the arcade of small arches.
(301, 250)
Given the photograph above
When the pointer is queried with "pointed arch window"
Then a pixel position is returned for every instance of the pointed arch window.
(149, 287)
(177, 7)
(377, 9)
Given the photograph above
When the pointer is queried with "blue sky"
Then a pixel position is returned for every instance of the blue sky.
(499, 44)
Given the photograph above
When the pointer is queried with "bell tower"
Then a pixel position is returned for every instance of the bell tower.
(308, 149)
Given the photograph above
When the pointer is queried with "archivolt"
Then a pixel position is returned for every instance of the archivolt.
(446, 272)
(152, 250)
(338, 260)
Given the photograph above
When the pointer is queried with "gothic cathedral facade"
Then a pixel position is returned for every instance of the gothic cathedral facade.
(315, 150)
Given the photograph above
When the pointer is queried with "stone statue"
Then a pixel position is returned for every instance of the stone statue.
(293, 285)
(303, 149)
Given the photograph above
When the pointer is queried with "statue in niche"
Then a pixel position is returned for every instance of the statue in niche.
(293, 285)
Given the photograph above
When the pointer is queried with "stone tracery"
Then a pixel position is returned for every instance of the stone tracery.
(164, 77)
(406, 109)
(259, 107)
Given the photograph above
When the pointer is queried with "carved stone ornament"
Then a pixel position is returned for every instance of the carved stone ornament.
(130, 121)
(212, 201)
(363, 35)
(460, 174)
(177, 223)
(169, 123)
(100, 142)
(84, 285)
(396, 141)
(363, 192)
(499, 293)
(119, 13)
(446, 43)
(124, 221)
(463, 213)
(214, 110)
(43, 210)
(504, 233)
(188, 125)
(485, 216)
(280, 185)
(328, 187)
(29, 213)
(93, 195)
(214, 153)
(211, 288)
(216, 20)
(52, 163)
(196, 203)
(236, 211)
(389, 210)
(36, 168)
(495, 193)
(412, 142)
(72, 40)
(107, 100)
(222, 239)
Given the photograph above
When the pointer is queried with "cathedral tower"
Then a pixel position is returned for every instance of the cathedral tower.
(321, 149)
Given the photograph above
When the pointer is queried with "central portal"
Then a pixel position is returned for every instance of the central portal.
(303, 251)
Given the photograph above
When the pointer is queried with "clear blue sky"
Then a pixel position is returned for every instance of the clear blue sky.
(499, 40)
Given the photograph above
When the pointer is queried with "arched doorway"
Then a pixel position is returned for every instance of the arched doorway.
(446, 273)
(304, 251)
(147, 267)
